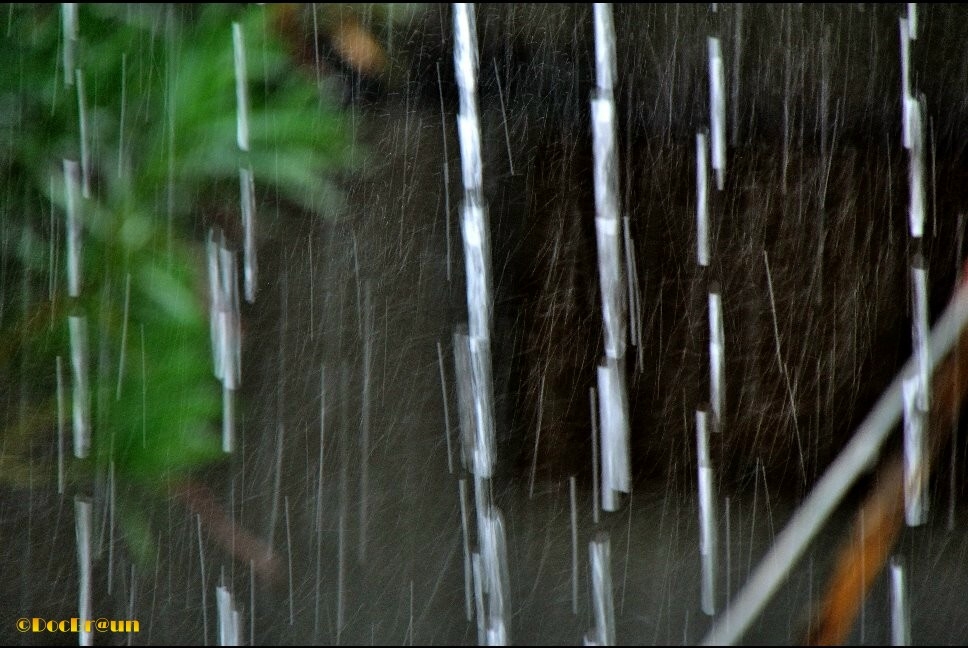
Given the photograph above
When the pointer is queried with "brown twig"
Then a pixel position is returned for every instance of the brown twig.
(236, 541)
(881, 518)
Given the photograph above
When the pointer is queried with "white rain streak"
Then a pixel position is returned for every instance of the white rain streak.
(121, 121)
(912, 18)
(292, 601)
(69, 26)
(468, 124)
(443, 393)
(605, 155)
(916, 208)
(479, 599)
(241, 88)
(917, 389)
(445, 169)
(212, 245)
(475, 403)
(592, 401)
(225, 328)
(82, 128)
(610, 276)
(81, 381)
(920, 331)
(124, 334)
(900, 619)
(366, 402)
(230, 347)
(469, 135)
(112, 500)
(613, 404)
(504, 114)
(905, 34)
(603, 604)
(83, 522)
(477, 267)
(246, 181)
(606, 225)
(614, 434)
(465, 398)
(61, 416)
(201, 566)
(537, 439)
(229, 619)
(132, 589)
(708, 540)
(717, 345)
(737, 65)
(843, 472)
(251, 602)
(468, 570)
(605, 66)
(251, 266)
(475, 367)
(717, 110)
(52, 252)
(477, 263)
(574, 545)
(492, 579)
(318, 517)
(72, 186)
(632, 279)
(915, 456)
(702, 199)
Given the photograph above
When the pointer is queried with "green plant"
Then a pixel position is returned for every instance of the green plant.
(147, 108)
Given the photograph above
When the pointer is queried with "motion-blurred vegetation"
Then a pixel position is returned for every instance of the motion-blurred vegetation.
(144, 99)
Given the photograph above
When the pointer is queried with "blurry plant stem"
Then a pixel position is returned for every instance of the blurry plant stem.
(879, 521)
(236, 541)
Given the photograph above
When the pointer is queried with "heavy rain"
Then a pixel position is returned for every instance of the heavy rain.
(456, 324)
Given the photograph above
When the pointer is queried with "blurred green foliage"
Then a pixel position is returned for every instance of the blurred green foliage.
(152, 108)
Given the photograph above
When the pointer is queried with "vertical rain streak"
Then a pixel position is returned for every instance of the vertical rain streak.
(915, 455)
(613, 411)
(476, 237)
(69, 34)
(708, 524)
(241, 88)
(607, 209)
(915, 129)
(83, 523)
(603, 603)
(251, 267)
(612, 414)
(82, 385)
(225, 329)
(702, 199)
(856, 459)
(61, 416)
(75, 227)
(906, 94)
(229, 619)
(717, 351)
(815, 159)
(717, 110)
(83, 134)
(900, 613)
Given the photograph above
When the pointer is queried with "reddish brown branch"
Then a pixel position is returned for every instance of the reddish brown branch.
(879, 521)
(236, 541)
